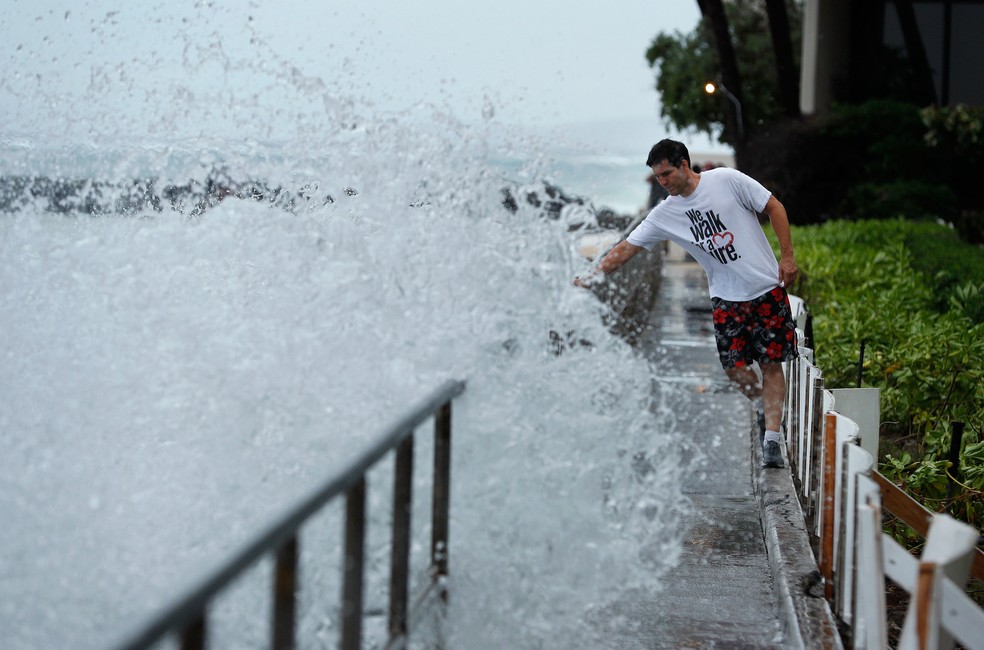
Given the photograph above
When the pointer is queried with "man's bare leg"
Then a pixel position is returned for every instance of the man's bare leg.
(773, 389)
(773, 392)
(767, 396)
(747, 381)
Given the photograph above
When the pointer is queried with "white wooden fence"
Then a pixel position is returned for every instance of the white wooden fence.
(831, 441)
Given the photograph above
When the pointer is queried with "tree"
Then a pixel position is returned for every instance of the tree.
(714, 13)
(923, 90)
(782, 47)
(684, 62)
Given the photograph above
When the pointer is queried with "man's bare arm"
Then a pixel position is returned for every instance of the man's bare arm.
(780, 224)
(616, 257)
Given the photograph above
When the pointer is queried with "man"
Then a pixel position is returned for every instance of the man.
(714, 217)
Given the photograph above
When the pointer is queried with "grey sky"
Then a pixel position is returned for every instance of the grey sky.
(85, 70)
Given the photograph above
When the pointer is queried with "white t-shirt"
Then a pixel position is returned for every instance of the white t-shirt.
(718, 224)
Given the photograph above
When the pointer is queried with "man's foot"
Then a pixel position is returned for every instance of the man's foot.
(771, 455)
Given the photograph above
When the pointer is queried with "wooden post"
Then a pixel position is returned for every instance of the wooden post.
(790, 410)
(828, 479)
(925, 621)
(813, 458)
(868, 619)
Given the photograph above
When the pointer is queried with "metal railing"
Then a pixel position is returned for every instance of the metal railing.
(187, 616)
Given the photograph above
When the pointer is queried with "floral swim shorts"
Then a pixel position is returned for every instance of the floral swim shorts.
(759, 330)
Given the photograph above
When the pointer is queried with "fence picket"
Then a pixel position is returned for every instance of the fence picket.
(842, 497)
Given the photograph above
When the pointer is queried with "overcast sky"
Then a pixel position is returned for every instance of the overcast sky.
(81, 69)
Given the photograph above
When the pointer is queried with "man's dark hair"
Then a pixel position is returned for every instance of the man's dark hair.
(671, 151)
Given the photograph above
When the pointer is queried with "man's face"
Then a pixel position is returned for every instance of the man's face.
(673, 179)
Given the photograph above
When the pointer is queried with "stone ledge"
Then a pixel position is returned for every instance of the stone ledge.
(807, 619)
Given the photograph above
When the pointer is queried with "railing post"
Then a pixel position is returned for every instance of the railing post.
(284, 596)
(355, 511)
(926, 622)
(795, 418)
(814, 474)
(800, 415)
(789, 410)
(400, 550)
(953, 474)
(827, 491)
(194, 634)
(860, 364)
(868, 617)
(441, 496)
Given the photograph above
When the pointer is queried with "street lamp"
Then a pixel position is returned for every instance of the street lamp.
(710, 89)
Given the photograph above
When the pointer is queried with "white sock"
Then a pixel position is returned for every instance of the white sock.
(772, 436)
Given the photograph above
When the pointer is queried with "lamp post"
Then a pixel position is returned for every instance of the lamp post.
(710, 88)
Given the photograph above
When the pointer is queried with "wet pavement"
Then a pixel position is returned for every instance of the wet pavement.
(739, 581)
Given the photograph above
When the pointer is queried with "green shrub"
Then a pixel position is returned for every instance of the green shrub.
(881, 141)
(906, 199)
(912, 292)
(956, 130)
(863, 283)
(956, 270)
(880, 159)
(956, 134)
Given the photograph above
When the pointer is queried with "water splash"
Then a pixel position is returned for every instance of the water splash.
(173, 377)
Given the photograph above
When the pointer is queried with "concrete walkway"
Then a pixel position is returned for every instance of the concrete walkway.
(743, 579)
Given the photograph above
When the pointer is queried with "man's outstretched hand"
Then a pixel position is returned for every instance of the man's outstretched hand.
(586, 280)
